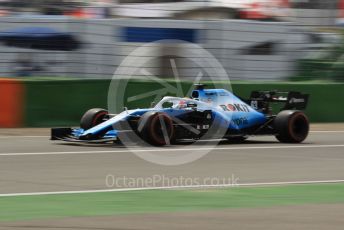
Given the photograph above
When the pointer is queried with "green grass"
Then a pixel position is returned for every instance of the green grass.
(150, 201)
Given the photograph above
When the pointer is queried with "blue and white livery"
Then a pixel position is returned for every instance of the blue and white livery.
(208, 113)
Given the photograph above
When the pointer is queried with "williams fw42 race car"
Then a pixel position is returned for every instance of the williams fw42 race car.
(208, 114)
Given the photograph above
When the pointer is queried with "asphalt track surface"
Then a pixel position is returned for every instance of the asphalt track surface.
(35, 164)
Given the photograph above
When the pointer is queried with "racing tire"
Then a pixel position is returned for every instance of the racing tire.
(93, 117)
(291, 126)
(156, 128)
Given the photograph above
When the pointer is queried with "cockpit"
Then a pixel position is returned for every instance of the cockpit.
(181, 103)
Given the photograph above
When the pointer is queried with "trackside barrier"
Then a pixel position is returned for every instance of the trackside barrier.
(62, 102)
(11, 103)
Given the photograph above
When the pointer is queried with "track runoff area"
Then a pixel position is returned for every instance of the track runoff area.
(40, 179)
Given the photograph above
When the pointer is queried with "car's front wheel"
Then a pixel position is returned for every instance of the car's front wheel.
(93, 117)
(156, 128)
(291, 126)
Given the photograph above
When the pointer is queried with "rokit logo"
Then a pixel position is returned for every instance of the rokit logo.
(236, 108)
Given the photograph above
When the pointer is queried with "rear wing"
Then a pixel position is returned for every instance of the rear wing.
(260, 100)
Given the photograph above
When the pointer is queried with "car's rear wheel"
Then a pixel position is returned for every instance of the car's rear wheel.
(93, 117)
(291, 126)
(156, 128)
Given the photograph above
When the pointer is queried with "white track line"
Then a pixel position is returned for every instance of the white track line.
(267, 184)
(327, 131)
(7, 137)
(167, 149)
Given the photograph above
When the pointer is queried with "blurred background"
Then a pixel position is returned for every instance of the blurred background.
(253, 39)
(257, 41)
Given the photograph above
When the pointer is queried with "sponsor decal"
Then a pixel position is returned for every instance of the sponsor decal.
(296, 100)
(240, 121)
(210, 94)
(199, 127)
(236, 108)
(254, 104)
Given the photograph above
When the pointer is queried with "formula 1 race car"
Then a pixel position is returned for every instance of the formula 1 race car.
(209, 113)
